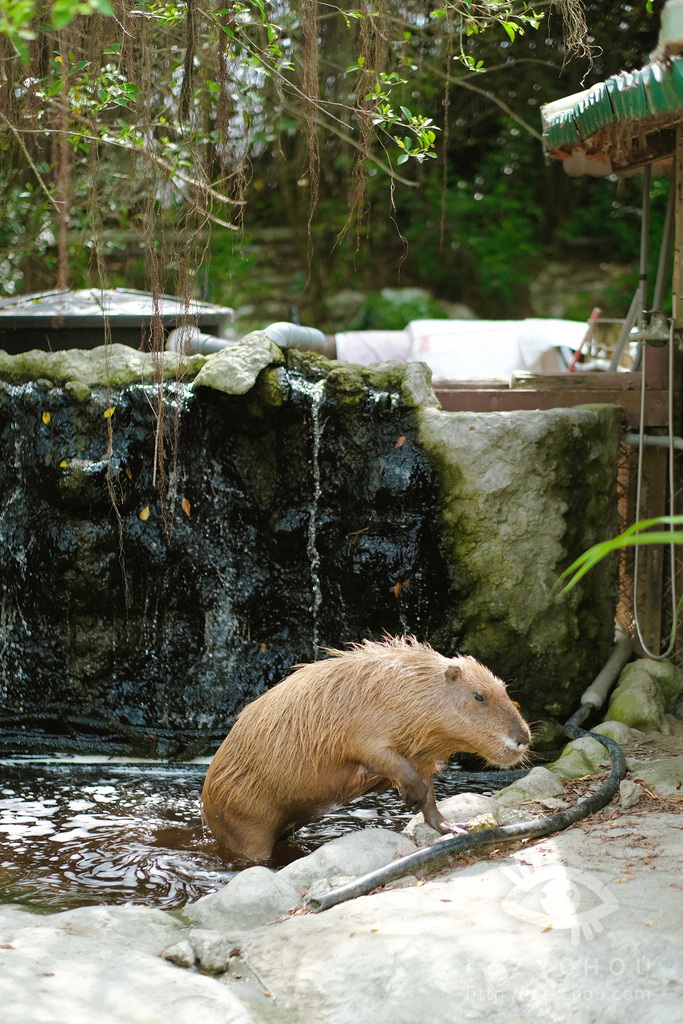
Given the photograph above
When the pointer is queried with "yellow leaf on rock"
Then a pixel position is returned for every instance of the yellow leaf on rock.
(46, 417)
(128, 473)
(109, 412)
(185, 506)
(62, 464)
(144, 515)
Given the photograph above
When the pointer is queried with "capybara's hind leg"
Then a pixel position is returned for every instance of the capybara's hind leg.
(241, 836)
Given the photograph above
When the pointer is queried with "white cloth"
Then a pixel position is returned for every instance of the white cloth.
(367, 347)
(492, 348)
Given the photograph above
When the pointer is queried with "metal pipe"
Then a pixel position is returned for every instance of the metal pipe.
(653, 440)
(644, 244)
(665, 248)
(625, 330)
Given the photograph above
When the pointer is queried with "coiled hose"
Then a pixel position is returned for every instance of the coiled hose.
(441, 853)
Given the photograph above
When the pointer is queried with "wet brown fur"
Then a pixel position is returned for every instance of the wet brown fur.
(377, 715)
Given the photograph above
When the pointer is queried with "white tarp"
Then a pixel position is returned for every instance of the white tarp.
(468, 348)
(367, 347)
(492, 348)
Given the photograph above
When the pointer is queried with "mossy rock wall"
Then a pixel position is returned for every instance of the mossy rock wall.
(302, 503)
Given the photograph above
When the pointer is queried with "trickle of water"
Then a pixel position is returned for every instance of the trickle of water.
(317, 392)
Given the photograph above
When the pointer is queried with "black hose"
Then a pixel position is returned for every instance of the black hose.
(441, 853)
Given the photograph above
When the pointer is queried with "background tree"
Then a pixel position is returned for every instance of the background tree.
(150, 144)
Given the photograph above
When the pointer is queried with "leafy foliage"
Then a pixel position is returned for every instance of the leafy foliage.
(132, 135)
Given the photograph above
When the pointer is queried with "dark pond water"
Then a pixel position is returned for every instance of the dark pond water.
(77, 834)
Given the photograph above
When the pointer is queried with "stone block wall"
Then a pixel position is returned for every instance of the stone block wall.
(299, 503)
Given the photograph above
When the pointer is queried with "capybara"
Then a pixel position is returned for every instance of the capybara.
(377, 715)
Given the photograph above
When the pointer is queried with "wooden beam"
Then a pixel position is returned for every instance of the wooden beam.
(556, 391)
(677, 283)
(651, 556)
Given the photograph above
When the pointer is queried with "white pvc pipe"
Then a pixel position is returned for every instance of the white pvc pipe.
(190, 340)
(287, 335)
(596, 694)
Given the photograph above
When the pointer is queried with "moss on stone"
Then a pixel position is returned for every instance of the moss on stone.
(481, 823)
(539, 784)
(524, 494)
(105, 366)
(668, 677)
(639, 700)
(641, 707)
(617, 731)
(345, 383)
(579, 758)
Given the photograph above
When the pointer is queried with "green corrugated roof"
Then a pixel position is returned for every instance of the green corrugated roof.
(631, 95)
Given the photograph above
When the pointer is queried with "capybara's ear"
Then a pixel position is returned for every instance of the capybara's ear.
(453, 673)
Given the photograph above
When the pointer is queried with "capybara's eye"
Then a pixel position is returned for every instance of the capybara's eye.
(479, 697)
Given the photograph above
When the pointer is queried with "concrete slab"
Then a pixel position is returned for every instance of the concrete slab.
(583, 926)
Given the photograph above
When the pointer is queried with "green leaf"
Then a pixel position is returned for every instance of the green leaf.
(406, 113)
(632, 537)
(63, 13)
(401, 159)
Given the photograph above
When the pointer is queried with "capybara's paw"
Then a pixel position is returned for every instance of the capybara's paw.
(456, 828)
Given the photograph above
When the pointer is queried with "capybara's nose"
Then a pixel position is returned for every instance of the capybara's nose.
(520, 737)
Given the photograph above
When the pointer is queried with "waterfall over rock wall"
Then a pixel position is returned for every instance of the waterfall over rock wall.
(299, 503)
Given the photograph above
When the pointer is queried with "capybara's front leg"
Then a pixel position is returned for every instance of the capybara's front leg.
(413, 789)
(433, 816)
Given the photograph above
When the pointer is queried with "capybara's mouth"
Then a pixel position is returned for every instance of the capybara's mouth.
(506, 756)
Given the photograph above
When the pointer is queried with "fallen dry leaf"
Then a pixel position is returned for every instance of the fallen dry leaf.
(401, 441)
(46, 417)
(185, 505)
(144, 515)
(108, 413)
